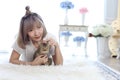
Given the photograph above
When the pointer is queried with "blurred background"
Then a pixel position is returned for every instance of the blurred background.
(53, 16)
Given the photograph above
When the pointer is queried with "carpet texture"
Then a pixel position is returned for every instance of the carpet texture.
(82, 70)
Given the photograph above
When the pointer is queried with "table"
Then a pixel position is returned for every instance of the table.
(76, 28)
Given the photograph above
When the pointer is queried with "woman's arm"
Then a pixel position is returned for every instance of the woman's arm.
(14, 58)
(58, 58)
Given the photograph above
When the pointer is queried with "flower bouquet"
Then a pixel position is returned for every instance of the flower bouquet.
(66, 5)
(101, 30)
(78, 40)
(83, 11)
(66, 35)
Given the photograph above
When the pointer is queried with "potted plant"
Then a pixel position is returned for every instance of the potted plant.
(102, 32)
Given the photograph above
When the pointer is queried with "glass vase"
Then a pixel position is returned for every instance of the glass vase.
(83, 19)
(78, 43)
(66, 39)
(66, 18)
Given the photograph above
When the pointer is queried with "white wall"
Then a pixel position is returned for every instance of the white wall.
(53, 15)
(110, 10)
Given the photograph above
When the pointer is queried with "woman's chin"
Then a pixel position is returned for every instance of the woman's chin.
(37, 39)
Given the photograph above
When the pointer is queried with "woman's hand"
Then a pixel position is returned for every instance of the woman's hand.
(41, 59)
(51, 42)
(57, 57)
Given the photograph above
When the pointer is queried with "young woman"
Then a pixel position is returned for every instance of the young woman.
(32, 31)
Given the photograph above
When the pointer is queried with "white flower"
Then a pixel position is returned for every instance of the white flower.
(102, 30)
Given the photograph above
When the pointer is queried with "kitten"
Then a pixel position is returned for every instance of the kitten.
(43, 49)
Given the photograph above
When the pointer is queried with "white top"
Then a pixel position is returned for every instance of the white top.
(27, 54)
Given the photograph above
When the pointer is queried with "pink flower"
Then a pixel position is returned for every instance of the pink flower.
(83, 10)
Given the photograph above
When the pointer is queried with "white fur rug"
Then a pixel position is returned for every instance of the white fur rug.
(82, 70)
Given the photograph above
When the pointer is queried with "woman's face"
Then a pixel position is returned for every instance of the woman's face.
(36, 33)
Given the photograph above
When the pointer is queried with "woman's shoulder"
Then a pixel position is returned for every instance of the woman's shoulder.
(17, 48)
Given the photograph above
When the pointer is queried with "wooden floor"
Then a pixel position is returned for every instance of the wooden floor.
(111, 63)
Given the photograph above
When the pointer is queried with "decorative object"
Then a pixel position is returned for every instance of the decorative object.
(66, 35)
(113, 41)
(102, 47)
(118, 49)
(66, 5)
(83, 11)
(101, 30)
(102, 33)
(78, 40)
